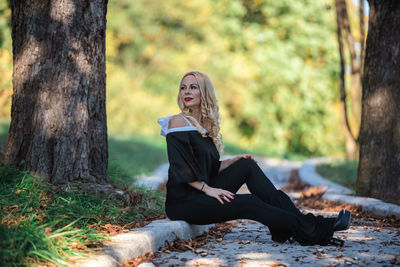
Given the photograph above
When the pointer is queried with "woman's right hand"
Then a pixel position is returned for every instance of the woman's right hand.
(219, 194)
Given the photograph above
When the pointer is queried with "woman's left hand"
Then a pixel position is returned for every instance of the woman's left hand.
(245, 156)
(226, 163)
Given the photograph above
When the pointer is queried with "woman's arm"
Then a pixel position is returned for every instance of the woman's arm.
(199, 185)
(218, 193)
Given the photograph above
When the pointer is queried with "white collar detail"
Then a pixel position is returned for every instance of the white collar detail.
(164, 121)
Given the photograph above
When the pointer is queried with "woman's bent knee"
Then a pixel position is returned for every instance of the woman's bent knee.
(248, 163)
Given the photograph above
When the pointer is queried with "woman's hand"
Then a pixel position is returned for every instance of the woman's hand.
(227, 162)
(245, 156)
(219, 194)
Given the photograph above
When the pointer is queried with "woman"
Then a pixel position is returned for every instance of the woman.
(201, 188)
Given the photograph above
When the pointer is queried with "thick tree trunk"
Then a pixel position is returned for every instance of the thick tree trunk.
(379, 166)
(58, 117)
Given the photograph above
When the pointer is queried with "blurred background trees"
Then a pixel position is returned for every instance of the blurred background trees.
(275, 65)
(5, 60)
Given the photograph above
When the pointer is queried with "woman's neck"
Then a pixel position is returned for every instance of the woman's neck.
(195, 112)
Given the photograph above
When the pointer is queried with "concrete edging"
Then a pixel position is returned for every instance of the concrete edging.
(138, 242)
(337, 192)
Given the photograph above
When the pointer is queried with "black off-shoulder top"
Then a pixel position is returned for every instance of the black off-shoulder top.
(191, 157)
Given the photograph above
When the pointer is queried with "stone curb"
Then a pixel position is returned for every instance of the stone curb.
(139, 241)
(337, 192)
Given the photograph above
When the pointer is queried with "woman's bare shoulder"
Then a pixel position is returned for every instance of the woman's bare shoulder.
(177, 121)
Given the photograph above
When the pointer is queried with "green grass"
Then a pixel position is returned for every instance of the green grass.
(135, 155)
(4, 125)
(341, 172)
(39, 225)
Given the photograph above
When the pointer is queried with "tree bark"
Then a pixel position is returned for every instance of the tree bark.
(379, 165)
(58, 116)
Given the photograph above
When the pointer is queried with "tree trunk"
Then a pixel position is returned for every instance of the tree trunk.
(355, 80)
(349, 139)
(58, 116)
(362, 38)
(379, 165)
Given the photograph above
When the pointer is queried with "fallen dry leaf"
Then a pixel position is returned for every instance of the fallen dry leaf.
(314, 191)
(138, 260)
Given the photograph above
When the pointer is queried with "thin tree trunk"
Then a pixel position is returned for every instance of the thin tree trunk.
(379, 165)
(355, 89)
(58, 117)
(362, 38)
(344, 17)
(350, 143)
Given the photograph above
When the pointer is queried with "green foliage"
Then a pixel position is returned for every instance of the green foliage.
(340, 172)
(274, 65)
(5, 59)
(5, 25)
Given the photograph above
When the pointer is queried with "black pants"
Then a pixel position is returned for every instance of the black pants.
(265, 204)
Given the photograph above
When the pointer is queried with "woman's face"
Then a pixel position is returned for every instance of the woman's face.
(189, 92)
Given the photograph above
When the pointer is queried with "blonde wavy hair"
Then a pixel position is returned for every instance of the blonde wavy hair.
(208, 107)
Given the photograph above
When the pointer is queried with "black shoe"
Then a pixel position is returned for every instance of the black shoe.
(336, 242)
(342, 221)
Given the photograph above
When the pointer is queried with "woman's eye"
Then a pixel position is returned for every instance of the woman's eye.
(193, 87)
